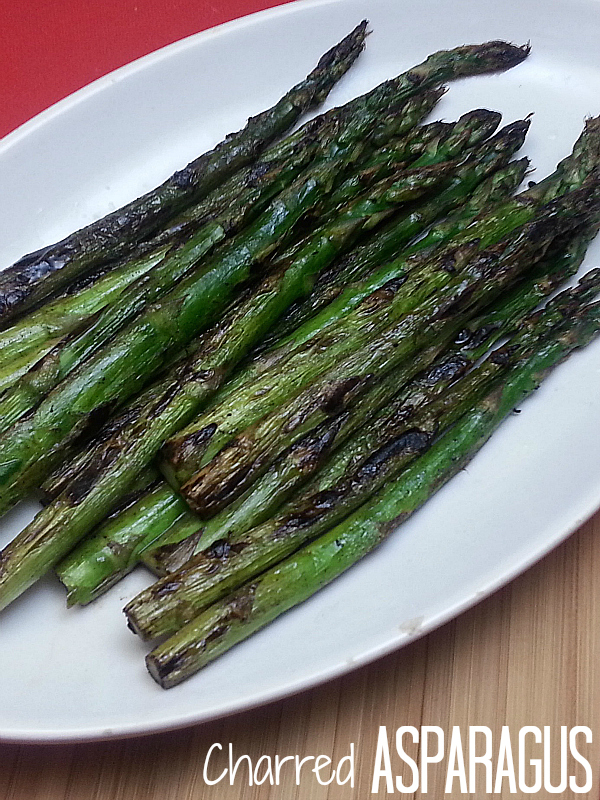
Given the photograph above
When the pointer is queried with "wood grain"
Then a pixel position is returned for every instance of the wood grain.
(529, 655)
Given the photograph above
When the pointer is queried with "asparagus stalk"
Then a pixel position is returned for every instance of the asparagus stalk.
(391, 322)
(100, 560)
(360, 470)
(36, 275)
(29, 448)
(294, 580)
(36, 333)
(112, 552)
(189, 535)
(183, 393)
(320, 138)
(569, 174)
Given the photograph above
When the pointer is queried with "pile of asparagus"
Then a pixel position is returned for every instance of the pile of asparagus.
(247, 378)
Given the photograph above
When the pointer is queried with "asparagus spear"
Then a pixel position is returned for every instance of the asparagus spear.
(280, 588)
(35, 275)
(323, 137)
(306, 457)
(391, 322)
(112, 552)
(382, 450)
(142, 430)
(80, 572)
(347, 326)
(569, 173)
(36, 333)
(29, 448)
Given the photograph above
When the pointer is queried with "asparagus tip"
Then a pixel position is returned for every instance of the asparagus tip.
(349, 47)
(505, 54)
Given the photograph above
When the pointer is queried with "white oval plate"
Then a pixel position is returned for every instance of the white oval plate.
(79, 674)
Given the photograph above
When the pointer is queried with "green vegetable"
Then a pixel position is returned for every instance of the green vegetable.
(315, 451)
(29, 449)
(237, 440)
(280, 588)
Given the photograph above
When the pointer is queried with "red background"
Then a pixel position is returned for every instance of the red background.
(50, 48)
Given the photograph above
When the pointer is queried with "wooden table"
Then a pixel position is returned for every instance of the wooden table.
(529, 655)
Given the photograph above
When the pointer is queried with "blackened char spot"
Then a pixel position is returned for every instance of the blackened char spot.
(336, 395)
(219, 549)
(216, 633)
(448, 264)
(481, 335)
(165, 669)
(501, 356)
(447, 370)
(308, 452)
(184, 178)
(462, 337)
(410, 442)
(318, 505)
(165, 589)
(383, 296)
(258, 171)
(165, 398)
(173, 556)
(84, 481)
(241, 604)
(179, 451)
